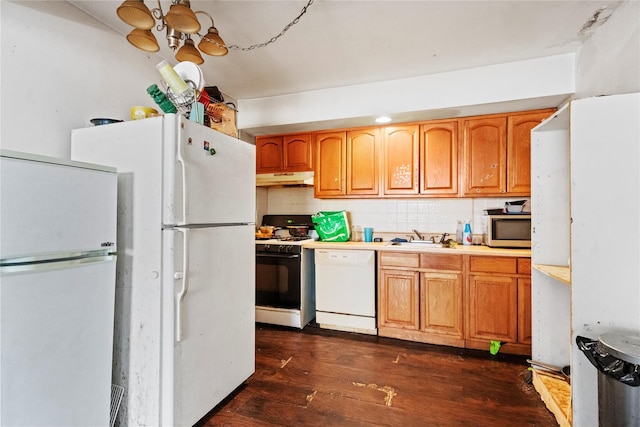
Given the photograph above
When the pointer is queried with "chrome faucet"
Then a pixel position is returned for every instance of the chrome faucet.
(420, 236)
(442, 239)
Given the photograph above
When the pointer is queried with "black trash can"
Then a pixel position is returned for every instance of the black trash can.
(617, 358)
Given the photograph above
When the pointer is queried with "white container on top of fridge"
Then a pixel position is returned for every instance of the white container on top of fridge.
(57, 290)
(185, 294)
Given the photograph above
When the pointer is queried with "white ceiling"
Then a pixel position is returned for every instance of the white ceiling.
(340, 43)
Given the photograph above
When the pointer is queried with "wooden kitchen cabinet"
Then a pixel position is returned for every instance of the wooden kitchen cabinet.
(284, 153)
(485, 155)
(401, 160)
(497, 153)
(330, 180)
(363, 162)
(519, 150)
(398, 299)
(499, 303)
(348, 163)
(439, 158)
(420, 297)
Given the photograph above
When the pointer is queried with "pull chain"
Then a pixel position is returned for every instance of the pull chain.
(275, 38)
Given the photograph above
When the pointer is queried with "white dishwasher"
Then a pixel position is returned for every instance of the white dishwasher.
(346, 290)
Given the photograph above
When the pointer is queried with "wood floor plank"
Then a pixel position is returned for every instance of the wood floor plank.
(317, 377)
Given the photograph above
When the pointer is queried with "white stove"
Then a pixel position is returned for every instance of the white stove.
(285, 275)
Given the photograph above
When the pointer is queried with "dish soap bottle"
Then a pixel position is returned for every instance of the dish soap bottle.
(467, 236)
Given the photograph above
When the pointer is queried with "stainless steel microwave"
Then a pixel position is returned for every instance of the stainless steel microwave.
(508, 231)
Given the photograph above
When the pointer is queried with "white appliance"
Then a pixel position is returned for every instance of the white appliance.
(346, 290)
(185, 322)
(57, 286)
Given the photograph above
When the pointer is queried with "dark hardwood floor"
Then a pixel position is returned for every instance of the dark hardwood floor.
(317, 377)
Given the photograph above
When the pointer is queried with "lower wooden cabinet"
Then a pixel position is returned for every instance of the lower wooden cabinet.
(398, 298)
(457, 300)
(499, 303)
(420, 297)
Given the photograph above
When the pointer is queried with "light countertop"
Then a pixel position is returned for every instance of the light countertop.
(387, 246)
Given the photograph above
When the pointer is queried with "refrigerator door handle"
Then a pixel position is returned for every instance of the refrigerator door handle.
(183, 169)
(9, 268)
(184, 276)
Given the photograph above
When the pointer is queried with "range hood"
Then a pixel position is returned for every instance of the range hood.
(284, 178)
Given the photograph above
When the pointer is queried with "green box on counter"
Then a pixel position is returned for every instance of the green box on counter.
(332, 226)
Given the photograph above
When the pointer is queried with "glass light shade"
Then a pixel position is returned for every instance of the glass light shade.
(136, 14)
(212, 44)
(143, 39)
(188, 52)
(182, 18)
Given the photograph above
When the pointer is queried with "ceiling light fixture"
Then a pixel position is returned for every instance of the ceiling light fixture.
(180, 24)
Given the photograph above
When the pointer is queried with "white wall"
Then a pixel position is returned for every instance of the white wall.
(609, 61)
(60, 68)
(536, 78)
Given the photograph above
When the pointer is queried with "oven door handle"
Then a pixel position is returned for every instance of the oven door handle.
(283, 256)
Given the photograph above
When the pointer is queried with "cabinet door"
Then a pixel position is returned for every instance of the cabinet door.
(524, 311)
(493, 308)
(269, 154)
(401, 157)
(519, 150)
(398, 293)
(297, 153)
(485, 156)
(439, 158)
(330, 164)
(441, 304)
(363, 162)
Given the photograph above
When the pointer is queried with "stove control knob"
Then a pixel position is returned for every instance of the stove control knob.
(267, 248)
(282, 248)
(290, 248)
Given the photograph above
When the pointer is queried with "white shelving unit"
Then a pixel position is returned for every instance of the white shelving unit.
(551, 239)
(586, 235)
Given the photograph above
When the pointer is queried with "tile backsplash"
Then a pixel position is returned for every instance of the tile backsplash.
(384, 215)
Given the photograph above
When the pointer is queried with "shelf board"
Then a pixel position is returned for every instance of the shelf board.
(556, 394)
(561, 273)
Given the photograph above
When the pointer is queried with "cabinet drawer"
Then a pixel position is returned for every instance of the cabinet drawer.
(395, 259)
(524, 266)
(492, 264)
(441, 262)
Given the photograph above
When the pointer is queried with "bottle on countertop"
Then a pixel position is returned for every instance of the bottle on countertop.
(467, 235)
(459, 232)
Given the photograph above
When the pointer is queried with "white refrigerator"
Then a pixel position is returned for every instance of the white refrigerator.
(57, 290)
(185, 281)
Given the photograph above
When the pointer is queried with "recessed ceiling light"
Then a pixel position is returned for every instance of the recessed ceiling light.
(383, 119)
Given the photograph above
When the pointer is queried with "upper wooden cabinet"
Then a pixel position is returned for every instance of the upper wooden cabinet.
(347, 163)
(485, 155)
(286, 153)
(330, 164)
(519, 150)
(401, 160)
(497, 153)
(477, 156)
(439, 158)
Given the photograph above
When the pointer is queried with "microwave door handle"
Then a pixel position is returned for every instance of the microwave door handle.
(184, 276)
